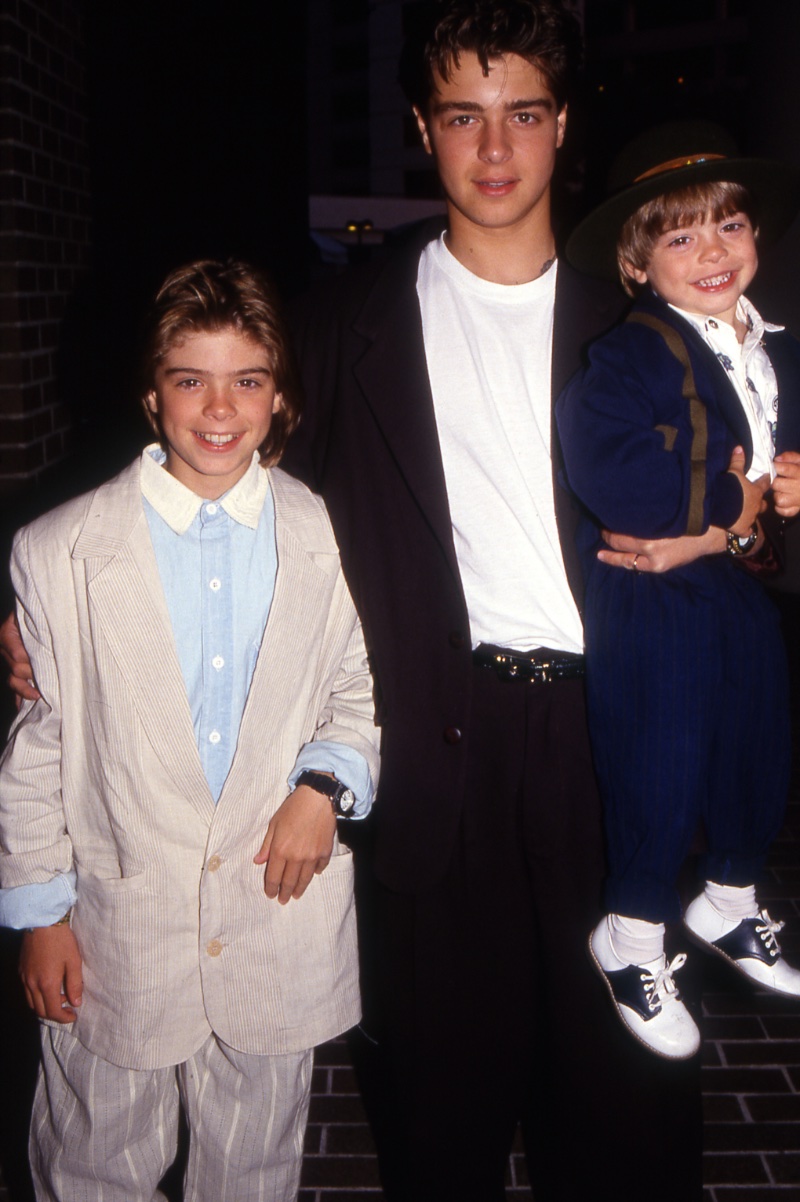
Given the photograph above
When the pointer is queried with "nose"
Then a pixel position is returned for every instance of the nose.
(219, 403)
(714, 248)
(494, 146)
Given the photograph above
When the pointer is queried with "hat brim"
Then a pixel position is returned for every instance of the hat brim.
(592, 247)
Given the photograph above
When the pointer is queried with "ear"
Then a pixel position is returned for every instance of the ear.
(422, 126)
(277, 402)
(561, 121)
(635, 273)
(151, 400)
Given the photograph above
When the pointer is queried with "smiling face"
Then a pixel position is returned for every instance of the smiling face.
(703, 267)
(494, 138)
(214, 398)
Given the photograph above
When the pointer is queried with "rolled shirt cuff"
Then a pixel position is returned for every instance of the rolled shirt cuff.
(38, 905)
(347, 765)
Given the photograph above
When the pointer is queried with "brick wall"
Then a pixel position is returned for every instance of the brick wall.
(44, 233)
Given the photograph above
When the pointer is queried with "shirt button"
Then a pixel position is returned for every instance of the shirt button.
(214, 948)
(215, 585)
(214, 863)
(218, 662)
(713, 324)
(214, 737)
(452, 734)
(211, 509)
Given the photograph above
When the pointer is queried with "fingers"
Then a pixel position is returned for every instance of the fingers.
(287, 879)
(50, 970)
(263, 853)
(73, 982)
(22, 685)
(298, 843)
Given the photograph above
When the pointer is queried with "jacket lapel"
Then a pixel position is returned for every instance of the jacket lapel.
(298, 613)
(127, 602)
(393, 375)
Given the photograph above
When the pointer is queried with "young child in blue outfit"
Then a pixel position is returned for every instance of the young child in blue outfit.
(685, 418)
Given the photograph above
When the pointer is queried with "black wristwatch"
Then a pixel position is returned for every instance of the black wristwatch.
(341, 798)
(740, 544)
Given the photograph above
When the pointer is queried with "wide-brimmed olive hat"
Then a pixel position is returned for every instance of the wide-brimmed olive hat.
(669, 157)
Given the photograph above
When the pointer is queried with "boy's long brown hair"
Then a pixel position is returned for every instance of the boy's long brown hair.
(207, 296)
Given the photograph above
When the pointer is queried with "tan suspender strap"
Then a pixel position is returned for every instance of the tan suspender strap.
(698, 418)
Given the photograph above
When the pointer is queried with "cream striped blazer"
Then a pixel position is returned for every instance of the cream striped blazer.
(103, 774)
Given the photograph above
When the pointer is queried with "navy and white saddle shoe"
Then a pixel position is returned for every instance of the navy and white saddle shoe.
(749, 946)
(647, 999)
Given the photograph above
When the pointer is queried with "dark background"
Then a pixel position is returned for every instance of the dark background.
(199, 129)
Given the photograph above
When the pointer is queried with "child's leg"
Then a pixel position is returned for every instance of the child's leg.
(247, 1119)
(751, 750)
(652, 681)
(98, 1130)
(749, 782)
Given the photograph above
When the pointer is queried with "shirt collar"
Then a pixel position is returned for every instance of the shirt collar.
(179, 506)
(709, 327)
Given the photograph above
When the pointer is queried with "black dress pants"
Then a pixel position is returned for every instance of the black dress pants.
(489, 1013)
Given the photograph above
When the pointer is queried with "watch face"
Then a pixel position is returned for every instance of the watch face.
(347, 801)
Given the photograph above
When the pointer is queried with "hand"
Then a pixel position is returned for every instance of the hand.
(298, 843)
(786, 485)
(753, 492)
(660, 554)
(13, 652)
(50, 968)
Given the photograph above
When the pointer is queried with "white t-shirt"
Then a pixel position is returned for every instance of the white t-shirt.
(488, 349)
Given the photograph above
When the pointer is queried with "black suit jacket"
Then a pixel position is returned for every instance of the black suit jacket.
(369, 444)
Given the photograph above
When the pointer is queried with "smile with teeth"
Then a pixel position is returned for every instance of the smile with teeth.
(715, 281)
(216, 440)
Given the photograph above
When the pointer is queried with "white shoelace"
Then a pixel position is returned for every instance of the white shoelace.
(767, 933)
(659, 986)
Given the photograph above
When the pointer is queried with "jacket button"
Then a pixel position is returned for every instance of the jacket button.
(214, 948)
(452, 734)
(456, 640)
(214, 863)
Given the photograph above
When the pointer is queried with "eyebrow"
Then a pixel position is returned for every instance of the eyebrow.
(197, 371)
(511, 106)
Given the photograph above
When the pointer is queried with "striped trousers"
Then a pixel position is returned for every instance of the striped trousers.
(100, 1133)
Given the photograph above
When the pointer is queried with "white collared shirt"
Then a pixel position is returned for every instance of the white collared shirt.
(751, 374)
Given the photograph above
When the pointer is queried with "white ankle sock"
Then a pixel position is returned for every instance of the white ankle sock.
(731, 902)
(634, 941)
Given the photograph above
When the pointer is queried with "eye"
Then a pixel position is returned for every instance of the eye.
(732, 227)
(188, 382)
(248, 382)
(526, 118)
(462, 119)
(679, 240)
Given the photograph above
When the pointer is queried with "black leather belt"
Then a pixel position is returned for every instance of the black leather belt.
(534, 667)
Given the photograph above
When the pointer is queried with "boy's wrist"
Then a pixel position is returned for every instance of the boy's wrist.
(340, 796)
(742, 544)
(64, 921)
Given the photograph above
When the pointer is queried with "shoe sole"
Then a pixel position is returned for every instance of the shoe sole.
(705, 946)
(596, 965)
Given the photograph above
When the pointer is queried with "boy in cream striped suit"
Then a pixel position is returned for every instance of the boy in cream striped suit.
(168, 806)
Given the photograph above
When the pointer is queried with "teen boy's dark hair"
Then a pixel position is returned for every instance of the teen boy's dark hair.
(541, 31)
(207, 296)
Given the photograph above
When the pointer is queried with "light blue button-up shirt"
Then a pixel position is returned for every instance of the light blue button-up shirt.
(217, 561)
